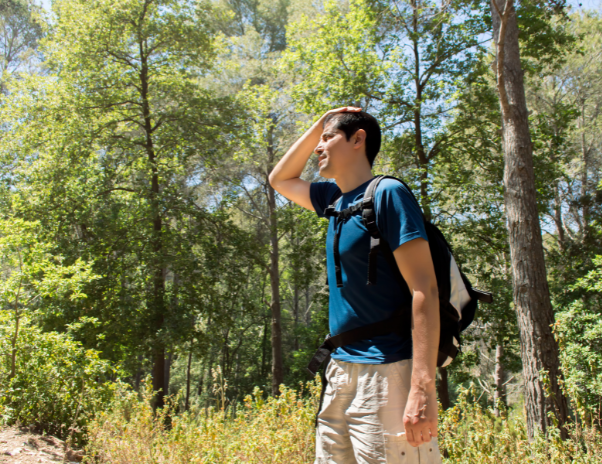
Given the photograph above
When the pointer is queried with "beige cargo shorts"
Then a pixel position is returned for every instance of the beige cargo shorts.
(361, 419)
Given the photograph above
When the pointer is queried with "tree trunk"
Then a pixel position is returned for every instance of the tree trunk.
(168, 363)
(443, 389)
(15, 337)
(558, 218)
(264, 347)
(277, 365)
(13, 352)
(307, 319)
(419, 85)
(159, 375)
(539, 350)
(500, 393)
(187, 402)
(584, 179)
(157, 303)
(296, 314)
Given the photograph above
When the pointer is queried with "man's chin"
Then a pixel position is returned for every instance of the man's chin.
(324, 172)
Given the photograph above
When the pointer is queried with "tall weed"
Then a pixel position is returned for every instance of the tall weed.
(469, 433)
(272, 430)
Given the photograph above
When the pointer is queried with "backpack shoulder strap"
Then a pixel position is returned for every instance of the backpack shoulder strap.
(369, 208)
(377, 242)
(331, 212)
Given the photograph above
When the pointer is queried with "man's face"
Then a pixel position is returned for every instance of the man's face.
(334, 151)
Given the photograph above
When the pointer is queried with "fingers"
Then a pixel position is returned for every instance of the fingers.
(345, 109)
(410, 437)
(420, 433)
(433, 431)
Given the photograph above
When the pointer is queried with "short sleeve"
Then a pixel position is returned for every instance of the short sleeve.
(398, 216)
(321, 195)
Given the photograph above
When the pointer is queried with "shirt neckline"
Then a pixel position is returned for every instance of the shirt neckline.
(357, 189)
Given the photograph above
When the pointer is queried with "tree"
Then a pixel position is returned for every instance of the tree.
(113, 142)
(539, 349)
(566, 108)
(469, 176)
(20, 31)
(251, 70)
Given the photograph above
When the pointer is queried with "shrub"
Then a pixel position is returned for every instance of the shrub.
(468, 433)
(579, 332)
(276, 430)
(57, 386)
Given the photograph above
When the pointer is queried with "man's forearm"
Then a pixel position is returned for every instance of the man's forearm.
(293, 162)
(425, 337)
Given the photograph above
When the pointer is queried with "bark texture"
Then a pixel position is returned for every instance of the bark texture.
(500, 388)
(539, 350)
(188, 366)
(274, 269)
(157, 300)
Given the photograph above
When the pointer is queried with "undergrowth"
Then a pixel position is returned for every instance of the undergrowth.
(470, 433)
(272, 430)
(281, 431)
(57, 385)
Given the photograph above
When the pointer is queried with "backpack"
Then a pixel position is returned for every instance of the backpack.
(457, 297)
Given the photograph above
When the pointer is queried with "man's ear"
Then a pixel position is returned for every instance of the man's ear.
(359, 138)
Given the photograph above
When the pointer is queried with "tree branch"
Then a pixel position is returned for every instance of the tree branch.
(501, 83)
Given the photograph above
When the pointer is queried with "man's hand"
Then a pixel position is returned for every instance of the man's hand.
(286, 175)
(344, 109)
(420, 417)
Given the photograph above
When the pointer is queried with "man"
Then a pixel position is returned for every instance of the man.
(380, 403)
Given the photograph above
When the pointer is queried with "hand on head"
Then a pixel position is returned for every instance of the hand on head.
(344, 109)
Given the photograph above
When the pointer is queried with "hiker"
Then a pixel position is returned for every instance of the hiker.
(380, 402)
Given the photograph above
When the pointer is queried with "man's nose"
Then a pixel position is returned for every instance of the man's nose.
(319, 149)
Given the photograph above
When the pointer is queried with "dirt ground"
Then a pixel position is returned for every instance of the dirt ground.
(22, 447)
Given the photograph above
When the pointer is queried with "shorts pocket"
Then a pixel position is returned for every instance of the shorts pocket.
(429, 452)
(399, 451)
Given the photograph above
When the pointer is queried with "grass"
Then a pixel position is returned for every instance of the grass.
(281, 430)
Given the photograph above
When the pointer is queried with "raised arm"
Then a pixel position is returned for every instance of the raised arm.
(416, 266)
(286, 175)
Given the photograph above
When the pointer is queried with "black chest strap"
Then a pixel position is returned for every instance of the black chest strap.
(339, 218)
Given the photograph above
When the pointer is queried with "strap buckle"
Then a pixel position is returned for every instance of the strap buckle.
(319, 356)
(330, 211)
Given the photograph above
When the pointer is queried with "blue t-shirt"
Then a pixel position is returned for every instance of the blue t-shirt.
(356, 304)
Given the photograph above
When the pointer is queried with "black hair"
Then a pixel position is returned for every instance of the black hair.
(350, 123)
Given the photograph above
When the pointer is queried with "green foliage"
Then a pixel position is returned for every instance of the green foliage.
(579, 332)
(58, 386)
(578, 329)
(336, 54)
(136, 211)
(107, 152)
(32, 272)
